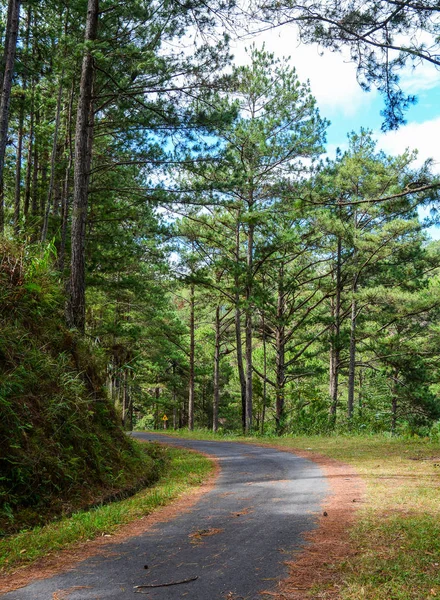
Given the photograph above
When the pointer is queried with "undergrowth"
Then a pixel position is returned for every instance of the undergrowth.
(61, 444)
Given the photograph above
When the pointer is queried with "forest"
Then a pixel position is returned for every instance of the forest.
(175, 240)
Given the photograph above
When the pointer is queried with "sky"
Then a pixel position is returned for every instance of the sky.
(342, 101)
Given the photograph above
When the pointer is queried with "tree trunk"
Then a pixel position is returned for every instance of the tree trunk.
(238, 342)
(335, 352)
(35, 169)
(352, 358)
(30, 152)
(52, 163)
(352, 363)
(216, 383)
(394, 403)
(280, 355)
(11, 36)
(127, 404)
(156, 410)
(76, 306)
(66, 184)
(263, 408)
(191, 361)
(17, 199)
(249, 329)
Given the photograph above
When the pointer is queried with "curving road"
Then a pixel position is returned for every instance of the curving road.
(235, 540)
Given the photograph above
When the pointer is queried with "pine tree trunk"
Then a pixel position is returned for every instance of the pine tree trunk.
(280, 356)
(191, 361)
(216, 382)
(263, 409)
(127, 405)
(394, 401)
(249, 329)
(352, 363)
(30, 153)
(156, 410)
(52, 164)
(352, 358)
(361, 391)
(17, 199)
(238, 341)
(35, 169)
(18, 167)
(240, 363)
(335, 351)
(11, 36)
(249, 367)
(76, 306)
(66, 184)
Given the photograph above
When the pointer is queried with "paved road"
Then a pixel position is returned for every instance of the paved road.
(263, 502)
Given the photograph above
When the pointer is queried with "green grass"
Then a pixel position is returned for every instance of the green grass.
(397, 533)
(185, 470)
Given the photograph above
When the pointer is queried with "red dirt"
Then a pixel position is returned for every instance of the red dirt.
(329, 543)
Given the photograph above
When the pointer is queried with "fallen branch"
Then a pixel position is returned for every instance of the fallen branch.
(157, 585)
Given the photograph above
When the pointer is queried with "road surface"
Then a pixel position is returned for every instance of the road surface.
(232, 544)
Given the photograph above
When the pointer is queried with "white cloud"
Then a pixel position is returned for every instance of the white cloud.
(415, 136)
(423, 77)
(332, 76)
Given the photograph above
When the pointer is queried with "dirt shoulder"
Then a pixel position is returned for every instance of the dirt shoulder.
(329, 544)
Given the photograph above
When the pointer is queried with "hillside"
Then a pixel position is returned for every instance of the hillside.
(61, 445)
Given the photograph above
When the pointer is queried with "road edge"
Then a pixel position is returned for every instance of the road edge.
(67, 559)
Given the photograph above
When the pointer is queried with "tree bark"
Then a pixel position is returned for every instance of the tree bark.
(30, 152)
(361, 391)
(11, 37)
(335, 352)
(238, 341)
(352, 363)
(191, 360)
(17, 198)
(394, 403)
(280, 355)
(263, 409)
(216, 383)
(52, 163)
(156, 410)
(76, 306)
(352, 358)
(66, 184)
(35, 169)
(249, 329)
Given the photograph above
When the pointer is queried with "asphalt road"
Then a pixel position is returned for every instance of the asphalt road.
(235, 540)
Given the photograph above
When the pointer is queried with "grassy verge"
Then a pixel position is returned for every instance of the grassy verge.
(185, 470)
(397, 534)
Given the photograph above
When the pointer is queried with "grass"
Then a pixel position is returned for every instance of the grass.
(397, 533)
(185, 470)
